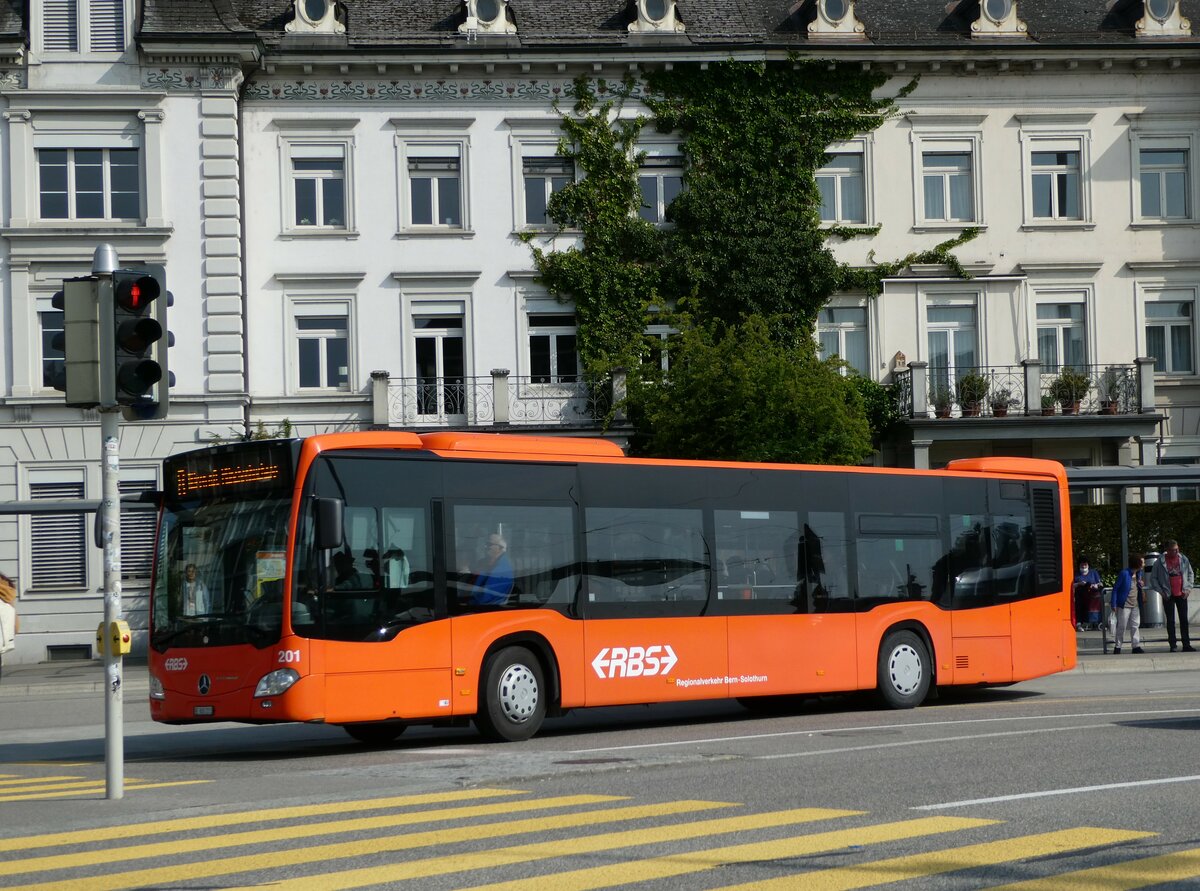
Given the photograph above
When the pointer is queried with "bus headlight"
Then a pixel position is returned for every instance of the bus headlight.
(276, 682)
(156, 688)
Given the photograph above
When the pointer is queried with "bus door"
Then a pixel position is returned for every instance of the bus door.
(645, 591)
(987, 522)
(785, 589)
(1040, 610)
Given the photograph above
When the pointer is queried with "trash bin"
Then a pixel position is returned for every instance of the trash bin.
(1152, 607)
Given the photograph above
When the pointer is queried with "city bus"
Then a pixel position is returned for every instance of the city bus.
(379, 579)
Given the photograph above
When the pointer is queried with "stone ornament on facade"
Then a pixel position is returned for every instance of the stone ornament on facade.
(487, 17)
(211, 77)
(316, 17)
(656, 15)
(1162, 18)
(462, 90)
(998, 18)
(836, 20)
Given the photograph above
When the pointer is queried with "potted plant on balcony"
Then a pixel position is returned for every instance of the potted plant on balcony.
(1069, 388)
(1109, 387)
(1047, 404)
(941, 399)
(1002, 399)
(971, 389)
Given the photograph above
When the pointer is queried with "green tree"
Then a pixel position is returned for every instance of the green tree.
(737, 393)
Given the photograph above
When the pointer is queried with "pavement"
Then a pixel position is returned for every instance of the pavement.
(58, 678)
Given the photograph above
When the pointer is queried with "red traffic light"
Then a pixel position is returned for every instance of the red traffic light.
(135, 294)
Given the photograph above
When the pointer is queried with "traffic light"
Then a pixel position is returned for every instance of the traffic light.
(139, 341)
(79, 341)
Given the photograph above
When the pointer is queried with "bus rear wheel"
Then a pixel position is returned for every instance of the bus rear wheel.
(904, 670)
(512, 696)
(375, 733)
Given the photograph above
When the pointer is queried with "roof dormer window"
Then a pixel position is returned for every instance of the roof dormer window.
(316, 17)
(836, 19)
(1163, 18)
(656, 15)
(487, 17)
(998, 18)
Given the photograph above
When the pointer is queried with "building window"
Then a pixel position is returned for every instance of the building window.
(89, 184)
(660, 339)
(1056, 185)
(842, 185)
(842, 332)
(319, 186)
(1163, 178)
(69, 24)
(1190, 492)
(58, 556)
(137, 533)
(1169, 334)
(53, 359)
(435, 186)
(949, 186)
(552, 349)
(660, 179)
(953, 344)
(542, 177)
(439, 349)
(323, 352)
(1060, 336)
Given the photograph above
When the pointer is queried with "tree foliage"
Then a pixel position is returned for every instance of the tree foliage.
(737, 393)
(744, 240)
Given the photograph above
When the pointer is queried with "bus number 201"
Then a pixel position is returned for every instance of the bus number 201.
(289, 656)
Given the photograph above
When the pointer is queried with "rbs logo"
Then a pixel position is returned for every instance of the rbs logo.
(634, 662)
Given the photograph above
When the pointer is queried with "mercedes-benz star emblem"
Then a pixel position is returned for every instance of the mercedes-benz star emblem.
(204, 685)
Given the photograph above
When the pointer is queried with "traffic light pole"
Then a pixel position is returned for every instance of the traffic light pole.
(110, 533)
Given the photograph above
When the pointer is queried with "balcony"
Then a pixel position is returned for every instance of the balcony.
(498, 401)
(1025, 390)
(1020, 409)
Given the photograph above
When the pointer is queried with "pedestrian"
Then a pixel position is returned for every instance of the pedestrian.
(9, 623)
(1128, 594)
(1172, 577)
(1086, 589)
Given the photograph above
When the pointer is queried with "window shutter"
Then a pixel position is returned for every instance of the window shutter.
(60, 26)
(57, 540)
(106, 26)
(137, 535)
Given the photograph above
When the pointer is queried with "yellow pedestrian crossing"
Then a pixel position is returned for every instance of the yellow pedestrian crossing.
(14, 787)
(478, 838)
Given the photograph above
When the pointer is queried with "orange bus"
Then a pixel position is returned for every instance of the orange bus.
(373, 580)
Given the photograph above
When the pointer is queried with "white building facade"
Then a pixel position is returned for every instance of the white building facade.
(338, 192)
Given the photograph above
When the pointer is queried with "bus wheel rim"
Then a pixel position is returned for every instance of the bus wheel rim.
(904, 668)
(518, 693)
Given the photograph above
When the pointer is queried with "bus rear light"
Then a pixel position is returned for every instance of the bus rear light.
(276, 682)
(156, 688)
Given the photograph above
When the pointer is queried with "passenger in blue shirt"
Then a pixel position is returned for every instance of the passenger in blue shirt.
(493, 580)
(1128, 594)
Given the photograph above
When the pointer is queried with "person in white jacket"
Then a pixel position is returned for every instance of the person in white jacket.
(8, 616)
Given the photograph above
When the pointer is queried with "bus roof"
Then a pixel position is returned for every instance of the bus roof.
(509, 445)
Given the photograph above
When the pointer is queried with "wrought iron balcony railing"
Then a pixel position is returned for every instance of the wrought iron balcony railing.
(1028, 389)
(498, 399)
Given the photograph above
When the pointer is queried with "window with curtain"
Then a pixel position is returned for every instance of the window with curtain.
(948, 186)
(841, 182)
(1163, 178)
(842, 332)
(1170, 334)
(1060, 335)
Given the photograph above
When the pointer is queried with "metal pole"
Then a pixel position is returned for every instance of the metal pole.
(110, 531)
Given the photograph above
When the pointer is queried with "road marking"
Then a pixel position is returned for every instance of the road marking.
(571, 847)
(16, 780)
(697, 861)
(97, 787)
(916, 742)
(1178, 867)
(1048, 792)
(301, 830)
(183, 824)
(918, 866)
(368, 847)
(821, 732)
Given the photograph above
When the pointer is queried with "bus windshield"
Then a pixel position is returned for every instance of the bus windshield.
(220, 573)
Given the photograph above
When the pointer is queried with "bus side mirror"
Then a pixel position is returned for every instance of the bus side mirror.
(329, 523)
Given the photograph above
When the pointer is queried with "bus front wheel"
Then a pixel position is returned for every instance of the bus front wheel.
(904, 670)
(512, 701)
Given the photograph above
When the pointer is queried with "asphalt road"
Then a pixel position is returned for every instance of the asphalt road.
(1074, 781)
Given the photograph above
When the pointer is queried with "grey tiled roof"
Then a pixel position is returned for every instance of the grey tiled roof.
(582, 23)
